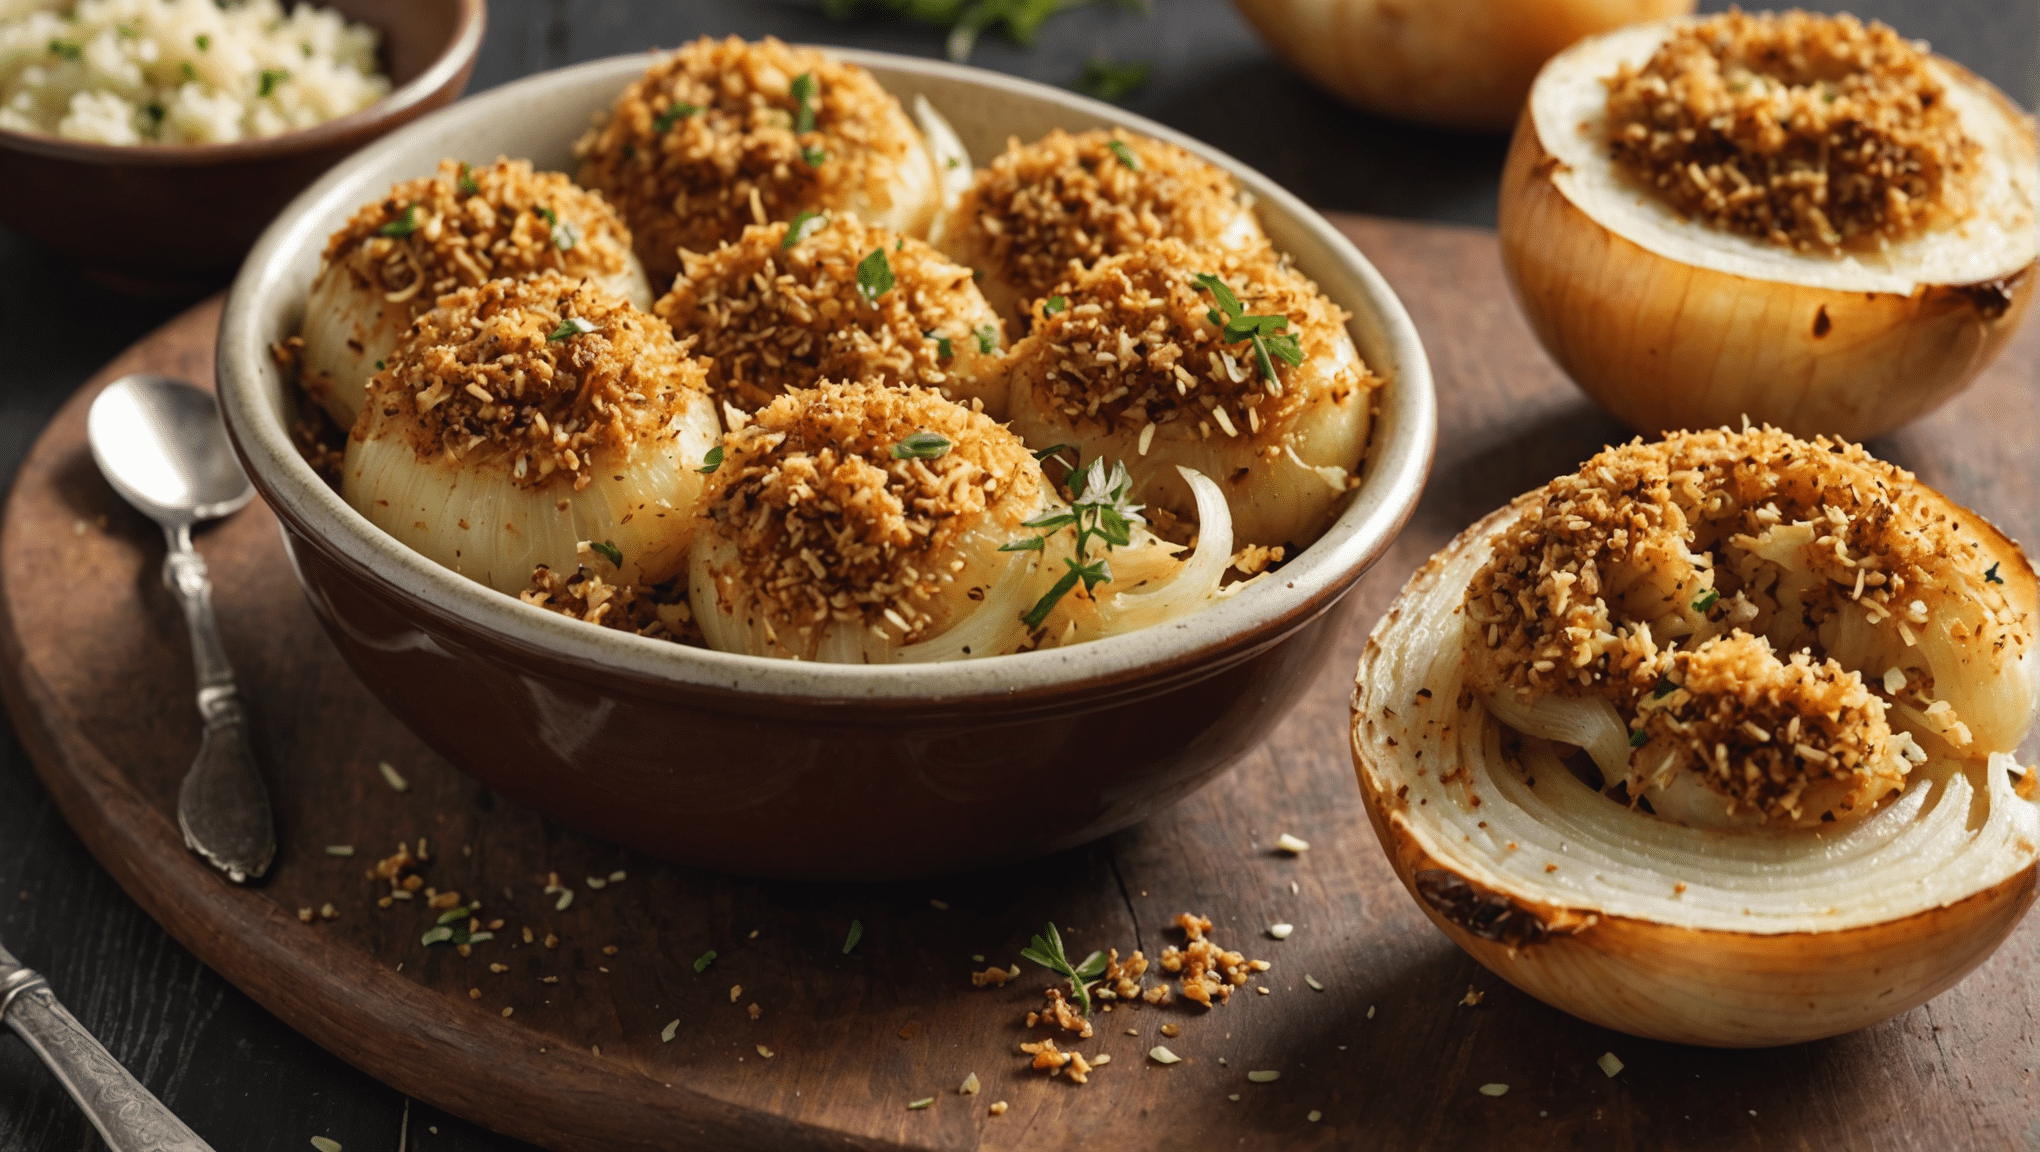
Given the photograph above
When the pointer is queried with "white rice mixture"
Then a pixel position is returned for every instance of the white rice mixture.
(180, 71)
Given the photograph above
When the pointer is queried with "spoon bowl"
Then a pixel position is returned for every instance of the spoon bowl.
(159, 442)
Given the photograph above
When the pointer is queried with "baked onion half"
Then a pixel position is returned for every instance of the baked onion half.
(1795, 218)
(1788, 835)
(530, 423)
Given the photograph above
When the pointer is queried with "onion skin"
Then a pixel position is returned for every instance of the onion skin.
(1661, 981)
(1448, 63)
(1666, 346)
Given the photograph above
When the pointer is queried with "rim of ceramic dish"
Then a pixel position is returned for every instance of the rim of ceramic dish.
(1393, 476)
(460, 50)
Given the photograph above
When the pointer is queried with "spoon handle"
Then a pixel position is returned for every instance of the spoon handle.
(222, 805)
(126, 1114)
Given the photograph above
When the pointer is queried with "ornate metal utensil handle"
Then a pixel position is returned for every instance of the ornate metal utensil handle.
(130, 1119)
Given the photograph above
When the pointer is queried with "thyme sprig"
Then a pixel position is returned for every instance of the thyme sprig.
(1099, 509)
(1047, 951)
(1269, 336)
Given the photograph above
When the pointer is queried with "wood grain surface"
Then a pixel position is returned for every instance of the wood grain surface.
(98, 682)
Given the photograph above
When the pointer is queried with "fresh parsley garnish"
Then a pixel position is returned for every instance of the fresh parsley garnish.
(1664, 688)
(702, 961)
(1269, 336)
(1099, 509)
(271, 77)
(403, 225)
(189, 73)
(68, 49)
(676, 112)
(203, 41)
(922, 446)
(378, 365)
(1639, 738)
(1706, 600)
(805, 223)
(610, 552)
(1054, 304)
(943, 348)
(467, 184)
(1107, 79)
(804, 90)
(856, 934)
(874, 275)
(711, 461)
(1054, 452)
(814, 154)
(987, 338)
(155, 111)
(1124, 153)
(917, 1105)
(1991, 574)
(571, 326)
(1047, 951)
(564, 235)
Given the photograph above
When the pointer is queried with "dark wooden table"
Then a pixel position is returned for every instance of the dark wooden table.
(247, 1082)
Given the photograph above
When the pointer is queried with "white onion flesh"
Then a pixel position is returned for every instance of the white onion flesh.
(1957, 829)
(1157, 585)
(953, 168)
(477, 521)
(350, 327)
(1569, 109)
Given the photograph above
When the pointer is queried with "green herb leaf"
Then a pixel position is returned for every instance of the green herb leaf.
(439, 935)
(1125, 154)
(814, 154)
(1991, 574)
(190, 74)
(1267, 337)
(610, 552)
(702, 961)
(804, 90)
(1639, 738)
(1664, 688)
(1106, 79)
(676, 112)
(1054, 452)
(403, 225)
(1025, 544)
(874, 276)
(856, 934)
(1047, 951)
(307, 50)
(1054, 304)
(987, 338)
(1706, 600)
(805, 224)
(564, 235)
(922, 446)
(155, 111)
(466, 184)
(917, 1105)
(711, 461)
(452, 914)
(943, 348)
(379, 365)
(68, 49)
(571, 326)
(271, 77)
(203, 41)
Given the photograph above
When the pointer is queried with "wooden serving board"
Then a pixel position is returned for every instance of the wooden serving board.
(99, 683)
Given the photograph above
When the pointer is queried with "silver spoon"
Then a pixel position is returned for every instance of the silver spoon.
(160, 443)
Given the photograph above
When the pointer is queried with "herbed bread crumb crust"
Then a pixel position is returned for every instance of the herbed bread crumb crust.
(1755, 538)
(773, 318)
(462, 227)
(704, 144)
(828, 526)
(1813, 132)
(544, 377)
(1038, 207)
(1134, 344)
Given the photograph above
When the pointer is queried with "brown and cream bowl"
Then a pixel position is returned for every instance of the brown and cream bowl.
(795, 769)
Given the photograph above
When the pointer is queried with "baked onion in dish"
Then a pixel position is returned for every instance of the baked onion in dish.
(1797, 218)
(723, 134)
(1450, 63)
(1233, 366)
(458, 228)
(860, 523)
(828, 297)
(529, 422)
(1711, 742)
(1037, 208)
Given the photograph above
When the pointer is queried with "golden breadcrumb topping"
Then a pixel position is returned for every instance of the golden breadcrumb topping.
(1613, 580)
(829, 525)
(773, 317)
(1763, 731)
(1132, 342)
(1814, 132)
(627, 607)
(1205, 971)
(542, 376)
(1038, 207)
(705, 144)
(462, 227)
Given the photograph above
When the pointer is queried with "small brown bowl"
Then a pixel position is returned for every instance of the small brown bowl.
(793, 769)
(167, 219)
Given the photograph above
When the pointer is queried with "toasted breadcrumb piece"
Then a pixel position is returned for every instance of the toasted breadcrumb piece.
(704, 144)
(772, 317)
(1811, 132)
(660, 612)
(1048, 1058)
(1205, 971)
(993, 977)
(1060, 1013)
(541, 376)
(1037, 209)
